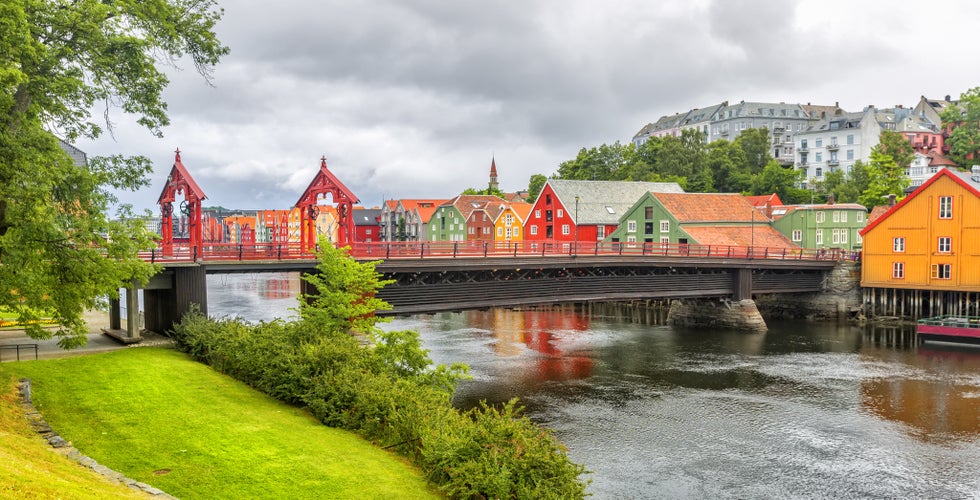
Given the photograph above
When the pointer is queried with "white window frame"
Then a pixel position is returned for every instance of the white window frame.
(561, 213)
(898, 270)
(945, 207)
(942, 271)
(631, 226)
(819, 237)
(565, 229)
(821, 217)
(797, 235)
(665, 226)
(600, 232)
(898, 244)
(534, 229)
(944, 244)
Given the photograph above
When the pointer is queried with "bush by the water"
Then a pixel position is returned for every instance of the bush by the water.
(383, 385)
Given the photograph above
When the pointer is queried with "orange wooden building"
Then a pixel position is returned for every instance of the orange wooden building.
(922, 256)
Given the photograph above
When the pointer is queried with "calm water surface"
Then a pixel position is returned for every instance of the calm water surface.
(803, 411)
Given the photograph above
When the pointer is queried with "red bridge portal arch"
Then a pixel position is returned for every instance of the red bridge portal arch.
(325, 183)
(180, 182)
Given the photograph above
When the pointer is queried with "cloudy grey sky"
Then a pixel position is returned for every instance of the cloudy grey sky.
(411, 99)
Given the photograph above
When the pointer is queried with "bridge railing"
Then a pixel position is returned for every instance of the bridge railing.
(473, 249)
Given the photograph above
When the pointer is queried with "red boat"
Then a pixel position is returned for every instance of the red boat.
(961, 329)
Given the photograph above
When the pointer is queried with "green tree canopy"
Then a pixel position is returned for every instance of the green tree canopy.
(534, 186)
(60, 250)
(755, 143)
(785, 182)
(964, 140)
(885, 177)
(897, 146)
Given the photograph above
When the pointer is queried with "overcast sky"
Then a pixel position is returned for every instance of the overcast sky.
(411, 99)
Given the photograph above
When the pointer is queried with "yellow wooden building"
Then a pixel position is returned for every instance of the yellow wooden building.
(922, 256)
(509, 223)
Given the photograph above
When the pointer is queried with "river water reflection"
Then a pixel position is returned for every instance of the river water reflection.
(803, 411)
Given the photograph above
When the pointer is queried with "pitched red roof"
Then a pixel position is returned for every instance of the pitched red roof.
(708, 207)
(936, 159)
(877, 212)
(760, 235)
(762, 199)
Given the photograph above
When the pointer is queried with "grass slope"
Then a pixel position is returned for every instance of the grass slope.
(29, 467)
(161, 418)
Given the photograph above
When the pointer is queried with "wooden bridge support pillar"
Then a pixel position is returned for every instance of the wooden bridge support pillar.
(717, 314)
(743, 284)
(170, 295)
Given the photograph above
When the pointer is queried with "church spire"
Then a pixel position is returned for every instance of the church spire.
(493, 174)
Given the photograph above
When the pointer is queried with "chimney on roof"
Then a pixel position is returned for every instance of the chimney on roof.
(831, 199)
(891, 200)
(836, 104)
(769, 209)
(947, 97)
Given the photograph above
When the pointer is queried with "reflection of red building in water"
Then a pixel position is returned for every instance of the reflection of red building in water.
(550, 333)
(935, 409)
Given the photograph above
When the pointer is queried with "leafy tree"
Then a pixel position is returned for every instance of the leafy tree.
(345, 298)
(59, 248)
(755, 143)
(785, 182)
(488, 191)
(727, 164)
(598, 163)
(534, 187)
(885, 177)
(964, 119)
(897, 146)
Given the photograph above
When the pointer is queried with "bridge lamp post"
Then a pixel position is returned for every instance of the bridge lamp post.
(752, 231)
(576, 225)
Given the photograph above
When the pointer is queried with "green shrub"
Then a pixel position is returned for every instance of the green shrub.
(385, 389)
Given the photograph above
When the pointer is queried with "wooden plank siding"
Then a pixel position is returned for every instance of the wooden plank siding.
(917, 220)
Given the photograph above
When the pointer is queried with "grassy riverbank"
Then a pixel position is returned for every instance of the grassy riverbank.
(160, 418)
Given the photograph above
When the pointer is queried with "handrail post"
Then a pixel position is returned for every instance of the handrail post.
(455, 247)
(279, 251)
(240, 251)
(486, 245)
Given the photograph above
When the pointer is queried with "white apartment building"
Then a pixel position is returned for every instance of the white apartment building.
(835, 143)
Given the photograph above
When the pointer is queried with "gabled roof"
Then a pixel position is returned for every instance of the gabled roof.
(759, 235)
(365, 216)
(520, 209)
(467, 203)
(877, 212)
(764, 199)
(325, 180)
(412, 204)
(961, 178)
(604, 202)
(936, 159)
(180, 171)
(708, 207)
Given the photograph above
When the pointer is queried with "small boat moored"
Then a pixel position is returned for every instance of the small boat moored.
(960, 329)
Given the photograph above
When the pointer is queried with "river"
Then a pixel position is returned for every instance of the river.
(803, 411)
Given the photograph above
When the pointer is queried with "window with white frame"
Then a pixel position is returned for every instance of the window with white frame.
(665, 226)
(500, 231)
(600, 232)
(507, 235)
(859, 216)
(818, 237)
(843, 216)
(631, 241)
(534, 229)
(665, 240)
(942, 271)
(631, 226)
(898, 270)
(537, 214)
(797, 235)
(836, 215)
(561, 213)
(898, 244)
(516, 231)
(945, 207)
(508, 220)
(820, 216)
(565, 229)
(945, 244)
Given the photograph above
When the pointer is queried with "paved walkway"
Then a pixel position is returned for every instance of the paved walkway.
(97, 342)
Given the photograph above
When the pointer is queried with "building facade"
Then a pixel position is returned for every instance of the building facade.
(836, 225)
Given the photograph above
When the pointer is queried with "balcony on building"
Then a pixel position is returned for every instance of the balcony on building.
(833, 146)
(803, 148)
(833, 162)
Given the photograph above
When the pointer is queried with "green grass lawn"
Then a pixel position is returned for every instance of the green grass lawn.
(158, 417)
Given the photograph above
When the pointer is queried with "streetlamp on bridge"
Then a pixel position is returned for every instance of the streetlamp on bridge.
(576, 225)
